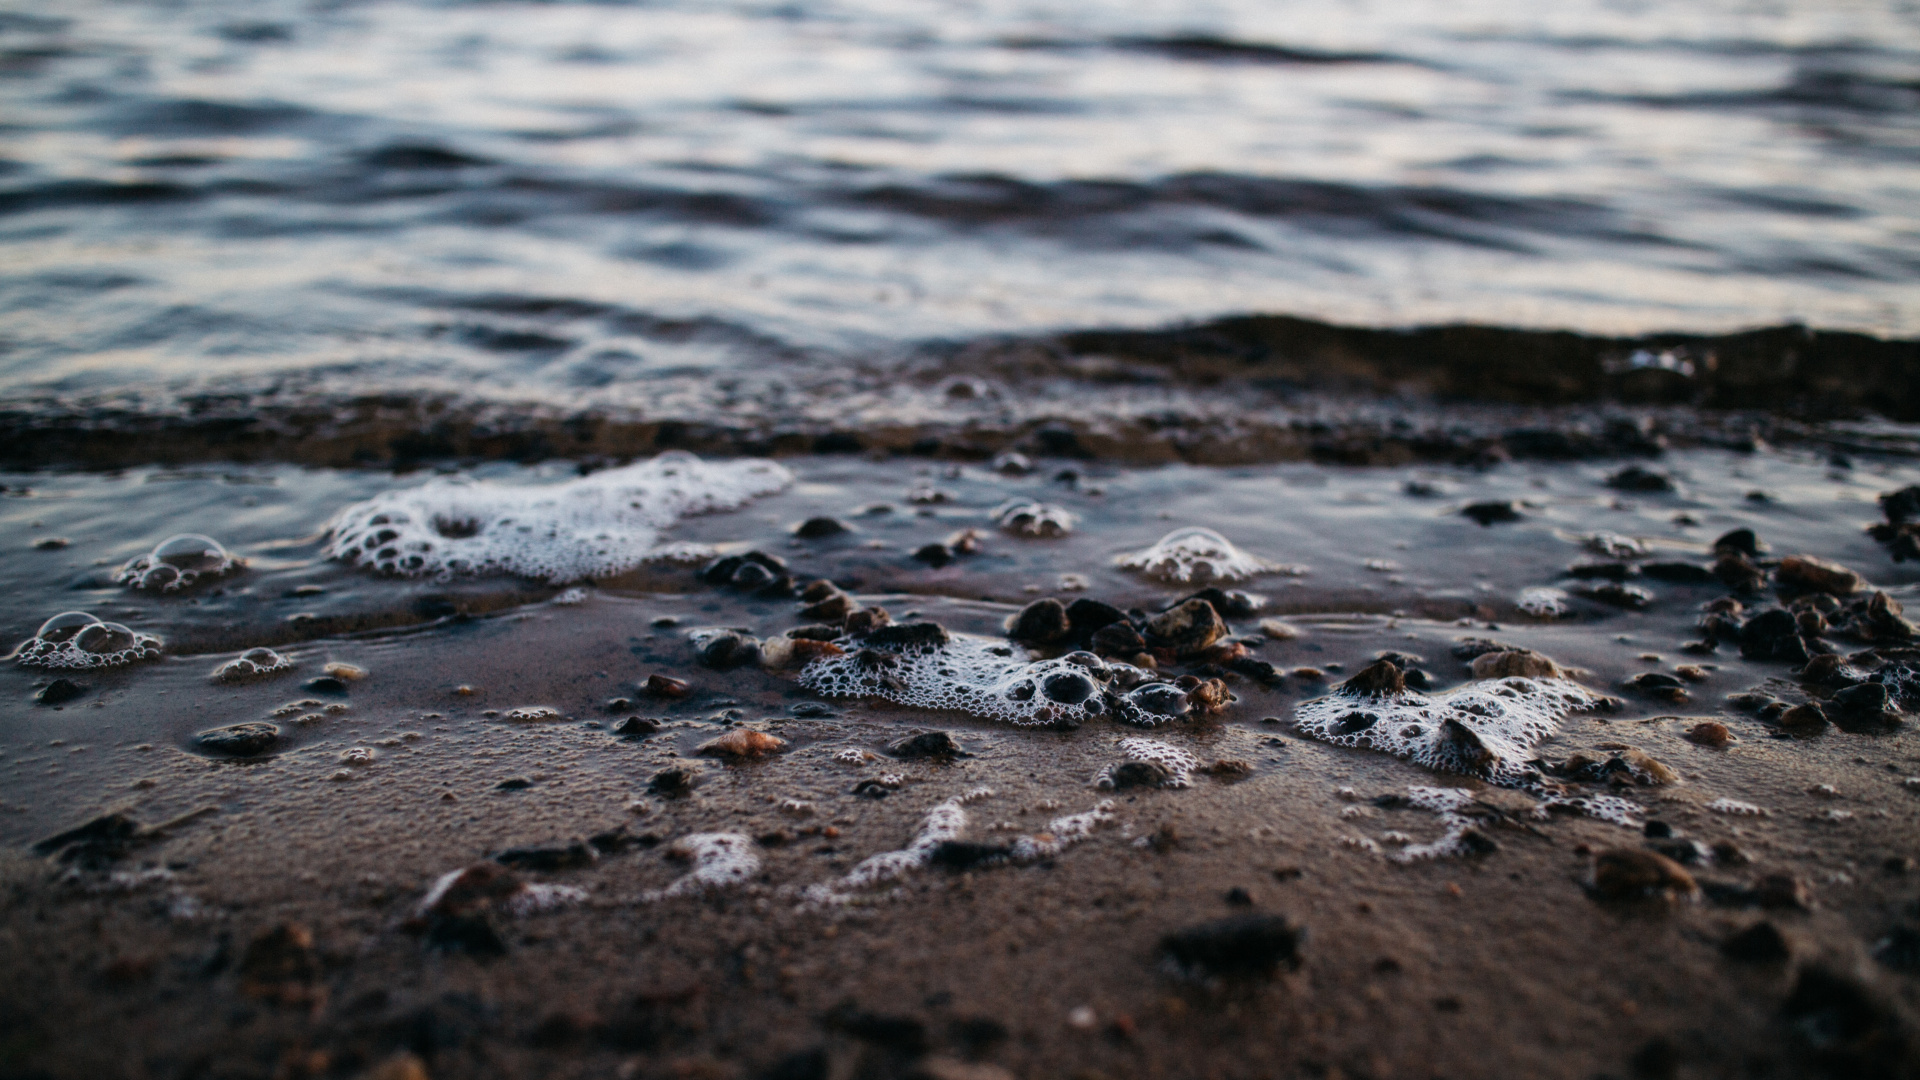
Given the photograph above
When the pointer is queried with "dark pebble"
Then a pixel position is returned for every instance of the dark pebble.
(1131, 774)
(565, 857)
(871, 789)
(1761, 943)
(1118, 639)
(325, 684)
(673, 783)
(1243, 946)
(726, 651)
(726, 571)
(1042, 622)
(634, 726)
(618, 704)
(1382, 678)
(1236, 604)
(1899, 950)
(1239, 897)
(816, 528)
(1187, 629)
(1617, 594)
(913, 635)
(810, 710)
(967, 854)
(934, 555)
(1490, 513)
(664, 686)
(933, 744)
(59, 692)
(1678, 573)
(1088, 615)
(1869, 697)
(1639, 478)
(513, 783)
(240, 740)
(1657, 830)
(1740, 542)
(1611, 571)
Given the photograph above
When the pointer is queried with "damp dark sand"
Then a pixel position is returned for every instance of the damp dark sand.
(163, 962)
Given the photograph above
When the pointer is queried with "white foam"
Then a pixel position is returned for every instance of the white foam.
(1505, 717)
(1198, 555)
(78, 640)
(253, 664)
(1736, 808)
(1543, 602)
(1180, 765)
(534, 898)
(1024, 517)
(1613, 545)
(594, 526)
(720, 861)
(984, 676)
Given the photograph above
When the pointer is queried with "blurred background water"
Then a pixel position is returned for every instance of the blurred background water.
(594, 202)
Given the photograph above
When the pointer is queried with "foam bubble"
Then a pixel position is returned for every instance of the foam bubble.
(178, 562)
(253, 664)
(1179, 764)
(76, 639)
(983, 676)
(1199, 555)
(1543, 602)
(1486, 728)
(1024, 517)
(597, 525)
(720, 861)
(1736, 808)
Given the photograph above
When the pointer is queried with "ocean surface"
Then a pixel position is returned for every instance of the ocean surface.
(637, 204)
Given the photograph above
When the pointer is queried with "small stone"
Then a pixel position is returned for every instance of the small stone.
(1186, 629)
(1617, 594)
(1042, 622)
(1632, 874)
(239, 740)
(1118, 639)
(349, 672)
(513, 783)
(1489, 513)
(1012, 463)
(1130, 774)
(1809, 574)
(1382, 678)
(1641, 479)
(818, 528)
(325, 684)
(663, 686)
(1240, 947)
(834, 607)
(866, 620)
(1740, 542)
(1514, 663)
(1802, 720)
(936, 745)
(1761, 943)
(743, 744)
(51, 543)
(1864, 698)
(1782, 892)
(1691, 672)
(1278, 630)
(637, 726)
(673, 783)
(1710, 733)
(59, 692)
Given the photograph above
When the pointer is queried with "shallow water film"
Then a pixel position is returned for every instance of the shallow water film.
(972, 541)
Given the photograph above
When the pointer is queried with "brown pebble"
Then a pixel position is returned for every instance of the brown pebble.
(1710, 733)
(1632, 874)
(1512, 663)
(743, 743)
(1229, 769)
(1691, 672)
(665, 686)
(1807, 719)
(1309, 674)
(1778, 891)
(349, 672)
(1187, 629)
(1382, 678)
(1809, 574)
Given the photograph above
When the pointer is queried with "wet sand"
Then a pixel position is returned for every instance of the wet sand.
(164, 960)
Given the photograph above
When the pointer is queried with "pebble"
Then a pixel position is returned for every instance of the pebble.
(1632, 874)
(1490, 513)
(59, 692)
(1279, 630)
(1235, 948)
(743, 744)
(1042, 622)
(818, 528)
(937, 745)
(239, 740)
(1710, 733)
(637, 726)
(1809, 574)
(1511, 663)
(1187, 629)
(1761, 943)
(1641, 479)
(1803, 720)
(349, 672)
(674, 782)
(664, 686)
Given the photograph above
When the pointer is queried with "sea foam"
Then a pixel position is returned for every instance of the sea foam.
(597, 525)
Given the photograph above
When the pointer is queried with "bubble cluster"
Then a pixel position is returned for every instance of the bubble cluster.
(1179, 765)
(1024, 517)
(75, 639)
(178, 562)
(1195, 554)
(720, 861)
(253, 664)
(994, 680)
(1543, 602)
(1486, 728)
(594, 526)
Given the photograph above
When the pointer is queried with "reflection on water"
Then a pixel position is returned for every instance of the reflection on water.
(571, 201)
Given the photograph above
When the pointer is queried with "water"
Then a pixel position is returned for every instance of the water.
(680, 207)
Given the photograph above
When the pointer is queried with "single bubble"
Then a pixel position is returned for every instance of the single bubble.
(1068, 687)
(191, 551)
(104, 637)
(1160, 699)
(65, 625)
